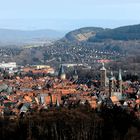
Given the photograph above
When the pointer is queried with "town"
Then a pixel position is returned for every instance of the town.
(26, 89)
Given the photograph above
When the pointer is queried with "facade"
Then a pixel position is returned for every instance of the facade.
(42, 66)
(72, 65)
(8, 65)
(115, 86)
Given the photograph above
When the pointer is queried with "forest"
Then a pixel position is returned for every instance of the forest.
(80, 123)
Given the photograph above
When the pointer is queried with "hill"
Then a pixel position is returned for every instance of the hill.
(122, 33)
(85, 46)
(13, 37)
(83, 34)
(96, 34)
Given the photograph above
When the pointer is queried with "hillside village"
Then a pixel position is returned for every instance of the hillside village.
(87, 51)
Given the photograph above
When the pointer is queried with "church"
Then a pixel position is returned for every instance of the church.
(111, 84)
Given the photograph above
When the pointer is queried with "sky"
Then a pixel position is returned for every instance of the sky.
(67, 14)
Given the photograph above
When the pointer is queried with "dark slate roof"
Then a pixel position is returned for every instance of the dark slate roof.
(61, 70)
(75, 72)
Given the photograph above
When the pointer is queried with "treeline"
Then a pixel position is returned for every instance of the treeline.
(81, 123)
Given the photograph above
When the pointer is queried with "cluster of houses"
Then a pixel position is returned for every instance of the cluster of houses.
(21, 95)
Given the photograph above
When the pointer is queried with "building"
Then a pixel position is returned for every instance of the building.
(62, 74)
(75, 75)
(42, 66)
(9, 65)
(72, 65)
(115, 86)
(103, 77)
(120, 80)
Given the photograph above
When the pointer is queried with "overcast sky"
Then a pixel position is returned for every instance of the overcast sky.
(67, 14)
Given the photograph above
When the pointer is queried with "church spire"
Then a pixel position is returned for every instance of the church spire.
(120, 81)
(75, 75)
(57, 103)
(103, 67)
(111, 84)
(111, 74)
(120, 75)
(103, 76)
(61, 73)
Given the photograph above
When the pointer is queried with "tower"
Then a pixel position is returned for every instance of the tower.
(111, 84)
(120, 81)
(103, 76)
(115, 87)
(61, 73)
(75, 75)
(57, 104)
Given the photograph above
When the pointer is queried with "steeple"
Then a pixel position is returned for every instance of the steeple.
(61, 73)
(111, 73)
(120, 81)
(57, 103)
(110, 83)
(61, 70)
(103, 76)
(112, 77)
(120, 75)
(103, 67)
(75, 75)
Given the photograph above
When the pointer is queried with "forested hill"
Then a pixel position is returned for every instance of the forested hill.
(122, 33)
(83, 34)
(93, 34)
